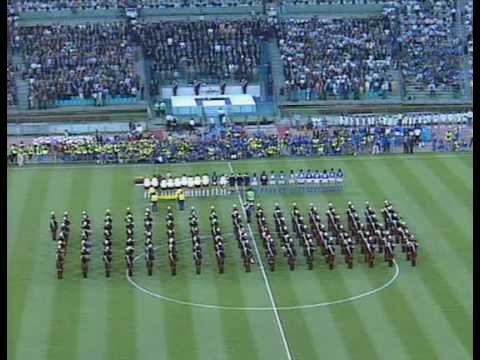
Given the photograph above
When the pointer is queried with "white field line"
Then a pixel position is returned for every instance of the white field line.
(267, 283)
(263, 308)
(417, 156)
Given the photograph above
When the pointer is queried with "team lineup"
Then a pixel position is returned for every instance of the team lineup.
(219, 185)
(372, 236)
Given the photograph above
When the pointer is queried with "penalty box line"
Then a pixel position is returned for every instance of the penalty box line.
(267, 282)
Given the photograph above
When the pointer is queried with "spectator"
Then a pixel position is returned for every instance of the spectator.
(211, 50)
(90, 61)
(233, 142)
(430, 49)
(336, 58)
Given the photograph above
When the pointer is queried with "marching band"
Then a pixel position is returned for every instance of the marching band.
(372, 236)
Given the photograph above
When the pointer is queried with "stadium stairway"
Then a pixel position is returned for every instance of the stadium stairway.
(141, 69)
(22, 93)
(277, 66)
(21, 85)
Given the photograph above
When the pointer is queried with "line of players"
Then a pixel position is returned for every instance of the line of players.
(224, 184)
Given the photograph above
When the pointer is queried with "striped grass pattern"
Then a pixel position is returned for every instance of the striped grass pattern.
(425, 314)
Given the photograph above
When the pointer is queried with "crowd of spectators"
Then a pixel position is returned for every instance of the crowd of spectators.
(235, 142)
(12, 29)
(163, 4)
(203, 49)
(430, 48)
(59, 5)
(468, 20)
(330, 2)
(73, 5)
(84, 61)
(343, 58)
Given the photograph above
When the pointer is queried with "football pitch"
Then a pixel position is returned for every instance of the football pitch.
(400, 312)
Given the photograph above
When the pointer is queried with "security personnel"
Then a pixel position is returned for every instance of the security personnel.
(181, 199)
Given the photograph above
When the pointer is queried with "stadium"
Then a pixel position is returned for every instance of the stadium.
(239, 179)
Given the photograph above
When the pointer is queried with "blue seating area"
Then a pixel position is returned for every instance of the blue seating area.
(312, 95)
(76, 101)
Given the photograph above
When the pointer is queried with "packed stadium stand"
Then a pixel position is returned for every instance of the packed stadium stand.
(156, 4)
(212, 50)
(430, 49)
(60, 5)
(339, 58)
(330, 2)
(468, 23)
(64, 63)
(406, 50)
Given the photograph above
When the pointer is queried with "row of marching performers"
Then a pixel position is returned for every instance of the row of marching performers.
(224, 184)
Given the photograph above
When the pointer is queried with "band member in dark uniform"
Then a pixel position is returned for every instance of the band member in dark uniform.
(60, 262)
(223, 86)
(129, 251)
(197, 256)
(107, 260)
(53, 226)
(149, 257)
(85, 260)
(172, 256)
(66, 220)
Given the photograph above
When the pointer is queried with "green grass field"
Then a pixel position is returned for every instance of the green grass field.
(426, 313)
